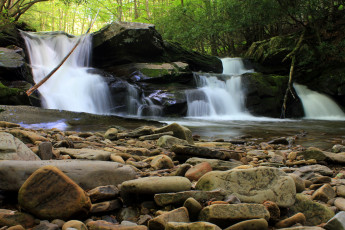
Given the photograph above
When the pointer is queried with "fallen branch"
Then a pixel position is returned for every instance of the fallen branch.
(32, 89)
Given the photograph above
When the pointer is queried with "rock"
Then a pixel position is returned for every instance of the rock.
(277, 141)
(194, 173)
(143, 130)
(6, 124)
(49, 194)
(215, 164)
(111, 134)
(45, 225)
(74, 224)
(194, 151)
(11, 148)
(27, 136)
(338, 148)
(13, 218)
(340, 203)
(162, 162)
(156, 136)
(340, 190)
(133, 151)
(181, 170)
(117, 158)
(295, 219)
(337, 222)
(103, 193)
(87, 154)
(16, 227)
(314, 212)
(321, 180)
(191, 226)
(253, 185)
(164, 199)
(321, 169)
(12, 63)
(299, 182)
(153, 185)
(255, 224)
(176, 215)
(15, 173)
(45, 151)
(106, 206)
(104, 225)
(167, 141)
(317, 154)
(273, 209)
(58, 222)
(325, 193)
(225, 214)
(179, 131)
(128, 214)
(193, 207)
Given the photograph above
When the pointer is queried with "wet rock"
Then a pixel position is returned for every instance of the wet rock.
(78, 225)
(133, 151)
(225, 214)
(106, 206)
(162, 162)
(337, 222)
(338, 148)
(15, 173)
(277, 141)
(156, 136)
(253, 185)
(104, 225)
(176, 215)
(167, 141)
(191, 226)
(273, 209)
(314, 212)
(321, 169)
(193, 207)
(215, 164)
(87, 154)
(6, 124)
(111, 134)
(179, 131)
(49, 194)
(164, 199)
(181, 170)
(325, 193)
(27, 136)
(45, 151)
(255, 224)
(299, 182)
(144, 219)
(128, 214)
(153, 185)
(45, 225)
(141, 131)
(317, 154)
(194, 173)
(103, 193)
(13, 218)
(340, 203)
(195, 151)
(58, 222)
(11, 148)
(295, 219)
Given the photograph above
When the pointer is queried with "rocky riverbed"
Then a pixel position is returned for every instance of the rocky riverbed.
(165, 178)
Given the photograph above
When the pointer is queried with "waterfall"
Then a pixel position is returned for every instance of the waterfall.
(219, 96)
(317, 105)
(73, 87)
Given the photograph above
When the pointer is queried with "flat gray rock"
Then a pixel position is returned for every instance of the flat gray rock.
(87, 174)
(88, 154)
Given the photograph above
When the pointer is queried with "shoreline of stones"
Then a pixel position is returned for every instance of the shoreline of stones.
(165, 178)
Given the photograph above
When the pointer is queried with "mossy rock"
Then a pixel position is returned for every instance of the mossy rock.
(13, 96)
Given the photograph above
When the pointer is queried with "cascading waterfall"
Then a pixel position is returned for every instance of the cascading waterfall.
(72, 87)
(219, 96)
(317, 105)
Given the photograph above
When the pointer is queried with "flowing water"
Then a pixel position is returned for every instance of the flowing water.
(73, 87)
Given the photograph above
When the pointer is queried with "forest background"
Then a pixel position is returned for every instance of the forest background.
(216, 27)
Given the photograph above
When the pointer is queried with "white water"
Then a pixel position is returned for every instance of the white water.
(219, 97)
(72, 87)
(318, 106)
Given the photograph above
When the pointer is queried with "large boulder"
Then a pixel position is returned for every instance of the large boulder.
(254, 185)
(124, 42)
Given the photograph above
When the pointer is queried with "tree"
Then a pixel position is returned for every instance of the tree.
(16, 8)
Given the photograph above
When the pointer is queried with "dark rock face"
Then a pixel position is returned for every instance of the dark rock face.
(123, 43)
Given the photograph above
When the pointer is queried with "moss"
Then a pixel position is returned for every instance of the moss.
(7, 92)
(155, 72)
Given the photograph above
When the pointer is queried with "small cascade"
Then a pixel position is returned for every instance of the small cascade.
(318, 106)
(73, 87)
(219, 96)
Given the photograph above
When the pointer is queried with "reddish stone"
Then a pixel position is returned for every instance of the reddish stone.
(194, 173)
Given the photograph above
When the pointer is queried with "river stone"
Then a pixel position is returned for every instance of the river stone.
(194, 173)
(14, 173)
(155, 136)
(104, 225)
(254, 224)
(295, 219)
(6, 124)
(167, 141)
(337, 222)
(164, 199)
(299, 182)
(325, 193)
(200, 225)
(11, 148)
(27, 136)
(314, 212)
(252, 185)
(195, 151)
(162, 162)
(215, 164)
(340, 203)
(13, 218)
(111, 134)
(153, 185)
(225, 214)
(176, 215)
(46, 225)
(179, 132)
(76, 224)
(87, 154)
(103, 192)
(49, 194)
(143, 130)
(106, 206)
(321, 169)
(193, 207)
(338, 148)
(45, 151)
